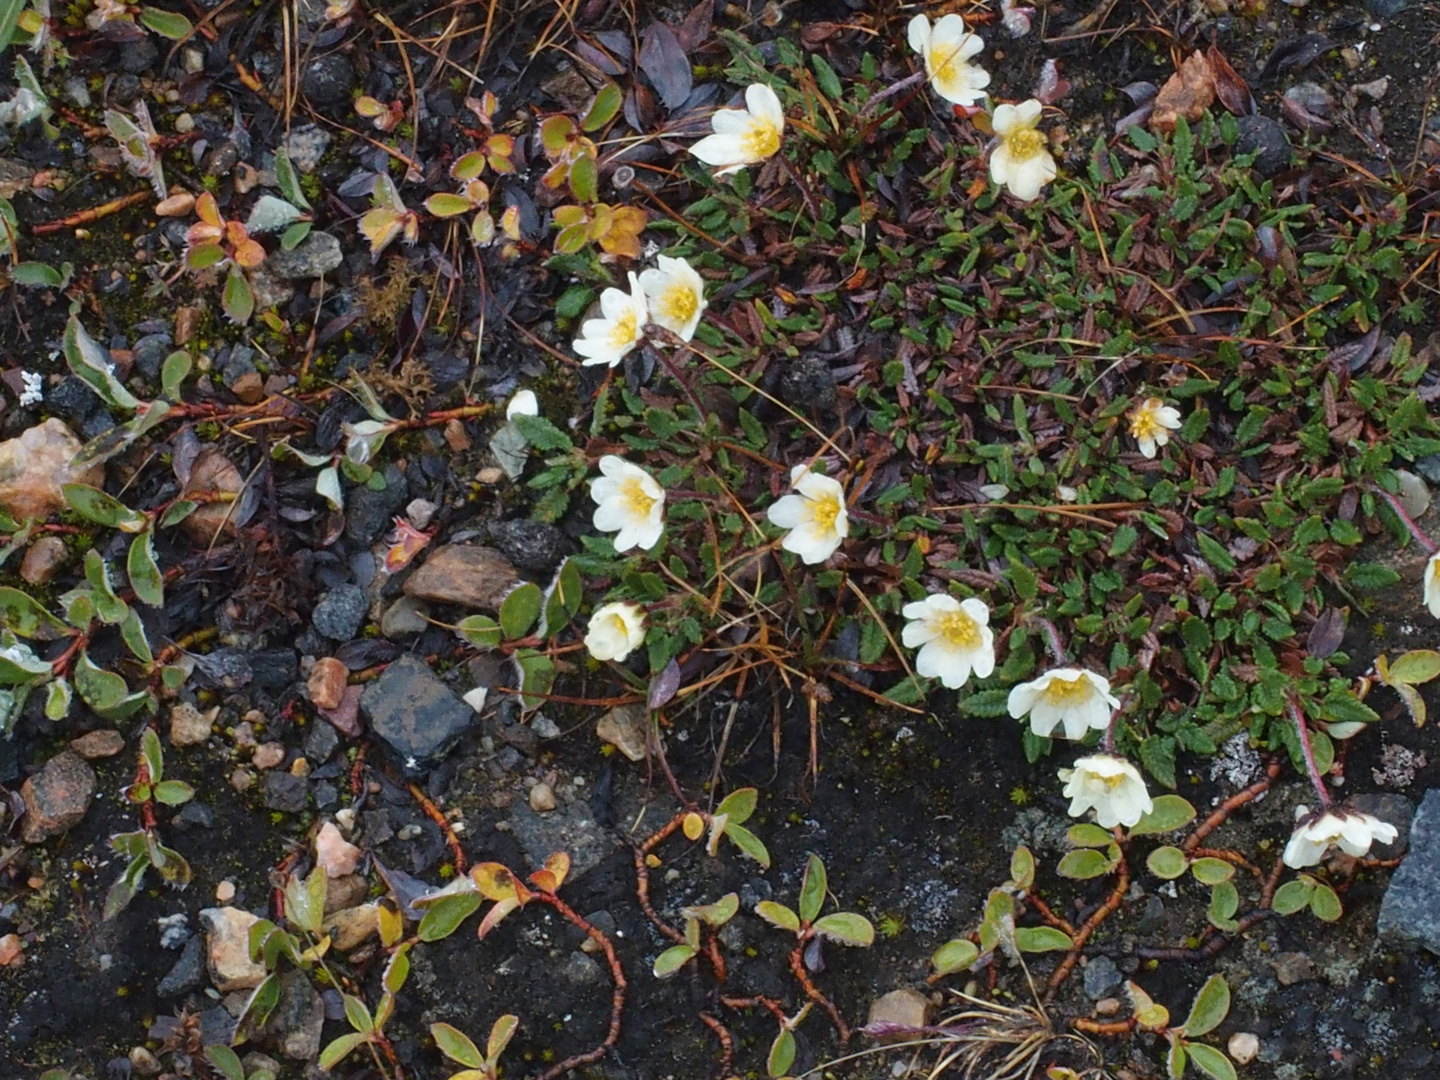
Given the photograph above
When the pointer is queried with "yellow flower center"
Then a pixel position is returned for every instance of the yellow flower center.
(824, 511)
(958, 630)
(1145, 423)
(1024, 143)
(679, 303)
(948, 70)
(762, 140)
(1063, 692)
(623, 332)
(617, 624)
(632, 493)
(1112, 782)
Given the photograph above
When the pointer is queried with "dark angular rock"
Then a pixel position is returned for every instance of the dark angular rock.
(530, 545)
(1386, 9)
(319, 253)
(1267, 136)
(274, 669)
(150, 353)
(1102, 978)
(1410, 911)
(340, 612)
(137, 56)
(285, 793)
(194, 815)
(72, 400)
(296, 1022)
(414, 713)
(188, 972)
(807, 385)
(572, 829)
(328, 80)
(321, 742)
(368, 512)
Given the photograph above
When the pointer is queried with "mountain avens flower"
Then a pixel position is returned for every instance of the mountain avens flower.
(620, 328)
(815, 515)
(629, 502)
(1432, 585)
(615, 631)
(953, 636)
(1022, 161)
(675, 296)
(946, 49)
(1076, 698)
(1109, 785)
(1151, 423)
(1349, 830)
(745, 136)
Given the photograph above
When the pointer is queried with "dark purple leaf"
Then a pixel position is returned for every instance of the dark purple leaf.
(405, 889)
(361, 654)
(815, 956)
(1356, 354)
(1327, 633)
(696, 27)
(663, 688)
(597, 58)
(666, 65)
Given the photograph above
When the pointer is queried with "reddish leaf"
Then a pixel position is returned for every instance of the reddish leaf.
(1327, 633)
(664, 685)
(1230, 88)
(1188, 93)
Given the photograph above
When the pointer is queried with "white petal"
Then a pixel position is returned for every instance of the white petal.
(720, 149)
(1023, 699)
(1005, 119)
(918, 33)
(762, 102)
(789, 511)
(1027, 112)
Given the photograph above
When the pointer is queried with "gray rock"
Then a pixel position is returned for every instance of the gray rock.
(328, 80)
(306, 146)
(530, 545)
(367, 512)
(285, 793)
(340, 612)
(274, 669)
(1429, 467)
(77, 92)
(296, 1022)
(1392, 809)
(1267, 136)
(56, 797)
(188, 972)
(137, 56)
(807, 385)
(1154, 916)
(1102, 978)
(405, 618)
(572, 829)
(581, 970)
(321, 742)
(319, 253)
(194, 815)
(270, 290)
(1410, 911)
(1386, 9)
(414, 713)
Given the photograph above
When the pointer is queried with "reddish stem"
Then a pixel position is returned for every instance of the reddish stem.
(797, 966)
(1082, 935)
(1229, 806)
(1302, 729)
(617, 999)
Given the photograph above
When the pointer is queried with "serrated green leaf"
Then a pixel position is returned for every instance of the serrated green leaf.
(542, 434)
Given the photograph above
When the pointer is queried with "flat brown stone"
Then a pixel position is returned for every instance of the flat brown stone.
(469, 576)
(98, 744)
(56, 797)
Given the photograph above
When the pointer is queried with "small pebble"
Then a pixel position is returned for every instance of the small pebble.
(1107, 1006)
(194, 60)
(492, 474)
(184, 123)
(268, 755)
(12, 951)
(300, 767)
(225, 891)
(542, 798)
(1243, 1047)
(241, 780)
(409, 832)
(346, 819)
(144, 1062)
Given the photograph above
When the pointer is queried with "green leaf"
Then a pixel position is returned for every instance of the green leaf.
(358, 1014)
(9, 15)
(445, 205)
(480, 630)
(520, 609)
(778, 915)
(1157, 754)
(226, 1060)
(21, 615)
(1416, 666)
(738, 805)
(501, 1032)
(145, 576)
(1370, 575)
(584, 179)
(94, 505)
(1086, 835)
(174, 792)
(238, 299)
(1084, 864)
(782, 1054)
(1038, 939)
(119, 895)
(165, 23)
(1341, 706)
(1210, 871)
(603, 109)
(178, 512)
(456, 1046)
(97, 688)
(36, 275)
(1209, 1008)
(537, 677)
(1224, 902)
(444, 916)
(718, 913)
(173, 373)
(341, 1048)
(955, 956)
(542, 434)
(1211, 1062)
(1176, 1060)
(292, 237)
(287, 181)
(1325, 904)
(1167, 862)
(91, 364)
(748, 843)
(1169, 813)
(1022, 867)
(812, 889)
(672, 960)
(1214, 553)
(57, 700)
(566, 594)
(1291, 897)
(846, 928)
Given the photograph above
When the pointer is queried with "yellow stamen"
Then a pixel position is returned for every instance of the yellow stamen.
(1062, 692)
(1144, 424)
(623, 332)
(632, 493)
(761, 140)
(825, 511)
(679, 303)
(958, 630)
(1024, 144)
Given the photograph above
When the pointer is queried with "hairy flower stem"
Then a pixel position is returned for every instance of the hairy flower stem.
(1308, 753)
(1409, 522)
(1052, 638)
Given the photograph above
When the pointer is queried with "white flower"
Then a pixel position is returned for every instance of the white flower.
(34, 391)
(365, 438)
(675, 295)
(954, 638)
(1151, 424)
(945, 49)
(1351, 830)
(745, 136)
(1432, 585)
(522, 404)
(630, 503)
(615, 631)
(606, 340)
(1109, 784)
(815, 516)
(1071, 696)
(1022, 161)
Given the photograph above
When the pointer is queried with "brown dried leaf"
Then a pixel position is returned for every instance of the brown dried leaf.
(1188, 93)
(1230, 88)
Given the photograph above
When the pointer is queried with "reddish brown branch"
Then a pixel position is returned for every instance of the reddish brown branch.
(1088, 927)
(758, 1001)
(797, 965)
(1207, 948)
(435, 814)
(94, 213)
(617, 999)
(1047, 915)
(1229, 806)
(727, 1042)
(1103, 1027)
